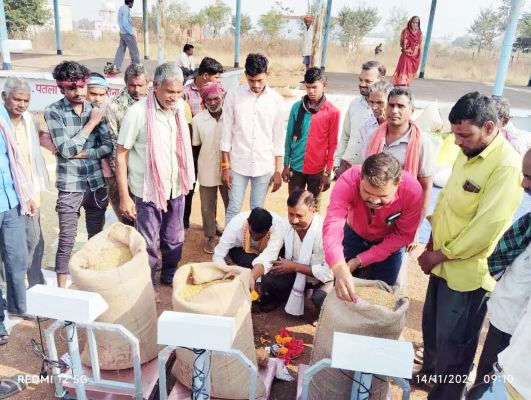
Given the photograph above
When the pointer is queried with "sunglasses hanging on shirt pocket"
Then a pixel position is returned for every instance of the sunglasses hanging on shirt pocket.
(393, 217)
(471, 186)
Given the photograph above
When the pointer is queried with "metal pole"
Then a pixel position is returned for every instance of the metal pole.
(428, 39)
(507, 47)
(326, 33)
(201, 377)
(6, 56)
(57, 18)
(77, 369)
(145, 16)
(160, 38)
(237, 33)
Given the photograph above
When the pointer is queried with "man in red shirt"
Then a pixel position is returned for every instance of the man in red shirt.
(373, 214)
(311, 138)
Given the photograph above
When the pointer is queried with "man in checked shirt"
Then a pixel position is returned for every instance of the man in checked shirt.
(81, 140)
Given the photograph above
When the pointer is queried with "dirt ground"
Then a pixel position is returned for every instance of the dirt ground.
(17, 356)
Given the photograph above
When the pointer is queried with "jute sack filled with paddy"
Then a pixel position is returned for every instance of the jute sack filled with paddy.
(208, 288)
(379, 312)
(114, 263)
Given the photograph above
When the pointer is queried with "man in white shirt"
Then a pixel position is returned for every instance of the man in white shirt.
(245, 237)
(206, 129)
(378, 93)
(252, 138)
(512, 379)
(154, 162)
(349, 150)
(186, 62)
(285, 279)
(307, 41)
(510, 262)
(16, 96)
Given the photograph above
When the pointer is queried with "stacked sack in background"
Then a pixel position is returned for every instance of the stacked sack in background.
(432, 124)
(379, 312)
(114, 263)
(208, 288)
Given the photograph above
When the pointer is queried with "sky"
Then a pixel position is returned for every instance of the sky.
(452, 17)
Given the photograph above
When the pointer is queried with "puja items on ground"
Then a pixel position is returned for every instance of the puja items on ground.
(286, 347)
(114, 263)
(212, 289)
(379, 312)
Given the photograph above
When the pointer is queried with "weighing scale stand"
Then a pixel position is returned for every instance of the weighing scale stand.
(75, 360)
(77, 376)
(202, 363)
(201, 377)
(359, 392)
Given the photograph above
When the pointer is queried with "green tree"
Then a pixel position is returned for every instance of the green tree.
(272, 22)
(355, 24)
(523, 41)
(217, 16)
(178, 19)
(312, 9)
(22, 14)
(462, 42)
(524, 25)
(246, 25)
(484, 30)
(503, 14)
(199, 19)
(85, 23)
(397, 21)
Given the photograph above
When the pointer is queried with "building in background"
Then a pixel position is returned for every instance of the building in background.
(107, 21)
(65, 16)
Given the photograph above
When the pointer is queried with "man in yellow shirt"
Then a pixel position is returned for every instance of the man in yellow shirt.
(474, 209)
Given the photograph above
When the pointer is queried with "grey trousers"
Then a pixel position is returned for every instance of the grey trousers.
(15, 255)
(126, 41)
(209, 202)
(68, 210)
(451, 324)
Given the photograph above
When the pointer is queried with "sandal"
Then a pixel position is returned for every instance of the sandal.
(11, 386)
(419, 356)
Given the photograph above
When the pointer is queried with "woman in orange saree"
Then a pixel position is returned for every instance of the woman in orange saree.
(408, 63)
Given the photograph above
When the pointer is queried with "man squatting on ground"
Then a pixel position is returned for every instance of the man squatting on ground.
(285, 278)
(245, 237)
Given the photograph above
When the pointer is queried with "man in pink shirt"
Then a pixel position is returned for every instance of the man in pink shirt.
(373, 214)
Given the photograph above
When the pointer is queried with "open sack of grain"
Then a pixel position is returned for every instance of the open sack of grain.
(114, 263)
(208, 288)
(379, 312)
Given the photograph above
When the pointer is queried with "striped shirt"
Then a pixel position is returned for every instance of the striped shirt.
(66, 130)
(192, 96)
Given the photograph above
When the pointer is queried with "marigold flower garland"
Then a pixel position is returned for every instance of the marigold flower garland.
(290, 347)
